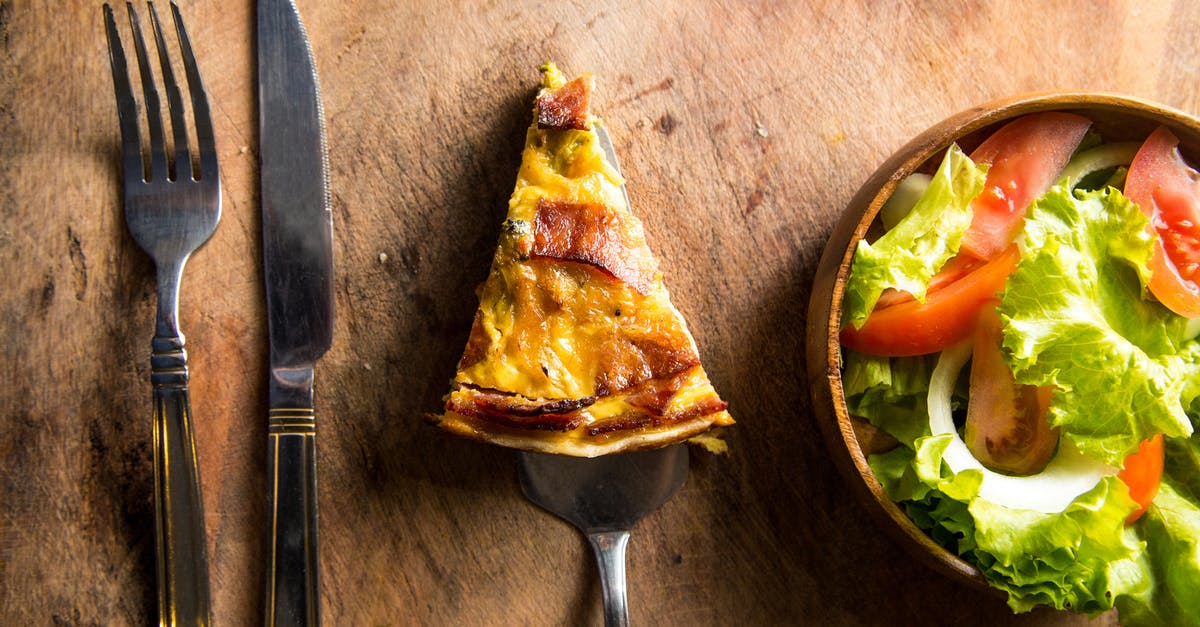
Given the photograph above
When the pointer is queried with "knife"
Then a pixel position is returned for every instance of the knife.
(298, 268)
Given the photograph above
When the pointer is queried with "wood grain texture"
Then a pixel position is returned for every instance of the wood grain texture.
(743, 128)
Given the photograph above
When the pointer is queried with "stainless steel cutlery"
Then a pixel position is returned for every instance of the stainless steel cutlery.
(298, 267)
(172, 206)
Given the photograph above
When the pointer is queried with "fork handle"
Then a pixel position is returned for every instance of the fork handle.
(293, 583)
(609, 547)
(182, 558)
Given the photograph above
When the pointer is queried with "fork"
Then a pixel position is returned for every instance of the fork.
(171, 208)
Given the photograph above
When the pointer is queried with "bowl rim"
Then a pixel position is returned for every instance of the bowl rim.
(825, 304)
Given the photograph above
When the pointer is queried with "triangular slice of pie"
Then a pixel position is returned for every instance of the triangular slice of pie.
(576, 348)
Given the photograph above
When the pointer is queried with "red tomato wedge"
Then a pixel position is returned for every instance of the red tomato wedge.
(1143, 474)
(1167, 191)
(1026, 157)
(947, 316)
(1006, 428)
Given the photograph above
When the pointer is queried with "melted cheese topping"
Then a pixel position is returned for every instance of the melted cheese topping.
(556, 329)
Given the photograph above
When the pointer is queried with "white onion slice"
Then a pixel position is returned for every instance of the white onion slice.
(1069, 474)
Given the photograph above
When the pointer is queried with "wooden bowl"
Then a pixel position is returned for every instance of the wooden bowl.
(851, 440)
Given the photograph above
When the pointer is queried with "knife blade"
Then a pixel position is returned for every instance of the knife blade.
(298, 270)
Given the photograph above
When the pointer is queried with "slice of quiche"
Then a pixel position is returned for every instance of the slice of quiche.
(576, 348)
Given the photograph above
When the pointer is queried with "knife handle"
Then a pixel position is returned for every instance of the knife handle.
(182, 558)
(293, 587)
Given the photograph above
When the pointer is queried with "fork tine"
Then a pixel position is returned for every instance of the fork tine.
(183, 158)
(158, 149)
(205, 140)
(131, 141)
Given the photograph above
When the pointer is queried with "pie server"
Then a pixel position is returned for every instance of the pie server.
(605, 496)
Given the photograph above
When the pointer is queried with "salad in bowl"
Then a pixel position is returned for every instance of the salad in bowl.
(1011, 352)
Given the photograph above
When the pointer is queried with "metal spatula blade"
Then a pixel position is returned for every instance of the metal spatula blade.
(605, 497)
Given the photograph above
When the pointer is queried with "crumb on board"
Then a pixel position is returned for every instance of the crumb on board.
(711, 442)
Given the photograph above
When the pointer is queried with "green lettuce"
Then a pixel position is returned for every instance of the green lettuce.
(907, 256)
(1080, 558)
(1171, 528)
(923, 492)
(890, 392)
(1076, 319)
(1182, 466)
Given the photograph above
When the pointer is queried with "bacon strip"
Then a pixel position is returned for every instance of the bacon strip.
(593, 234)
(650, 400)
(566, 107)
(517, 411)
(628, 363)
(495, 401)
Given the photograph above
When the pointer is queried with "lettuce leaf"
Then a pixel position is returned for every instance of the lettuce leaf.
(909, 254)
(924, 494)
(1171, 528)
(1080, 558)
(890, 392)
(1182, 466)
(1076, 320)
(1189, 365)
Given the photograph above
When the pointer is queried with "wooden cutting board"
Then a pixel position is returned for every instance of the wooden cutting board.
(743, 129)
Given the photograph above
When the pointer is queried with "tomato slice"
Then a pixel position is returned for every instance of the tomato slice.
(1143, 474)
(947, 316)
(1006, 428)
(1026, 156)
(1167, 191)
